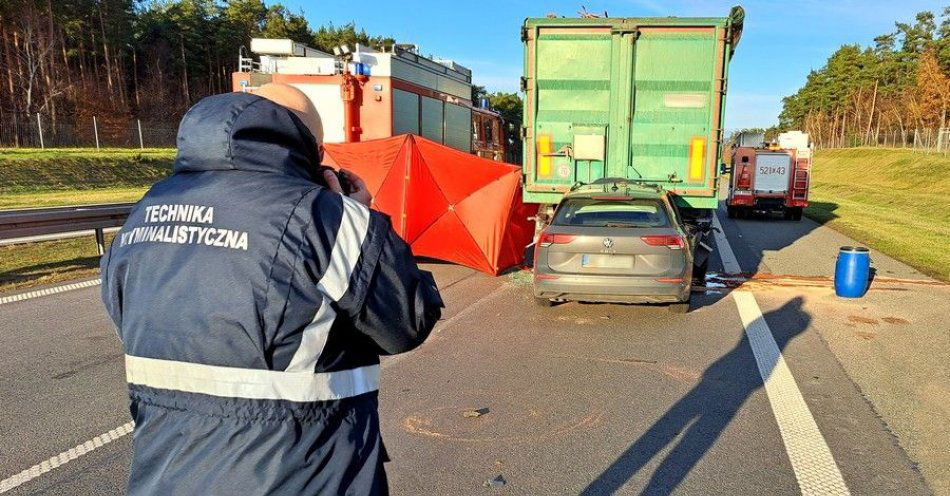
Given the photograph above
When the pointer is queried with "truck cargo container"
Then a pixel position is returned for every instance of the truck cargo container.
(640, 99)
(770, 177)
(624, 110)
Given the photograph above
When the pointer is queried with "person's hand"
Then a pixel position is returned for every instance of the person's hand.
(358, 190)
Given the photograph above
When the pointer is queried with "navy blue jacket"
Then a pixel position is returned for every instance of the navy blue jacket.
(253, 305)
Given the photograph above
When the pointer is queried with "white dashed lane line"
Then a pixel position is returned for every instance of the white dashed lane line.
(49, 291)
(64, 457)
(811, 459)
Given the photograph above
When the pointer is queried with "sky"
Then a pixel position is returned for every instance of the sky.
(782, 40)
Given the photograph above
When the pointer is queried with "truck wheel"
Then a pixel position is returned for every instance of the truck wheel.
(788, 213)
(731, 212)
(797, 214)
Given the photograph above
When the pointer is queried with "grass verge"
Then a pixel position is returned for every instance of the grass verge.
(896, 201)
(54, 177)
(71, 197)
(48, 262)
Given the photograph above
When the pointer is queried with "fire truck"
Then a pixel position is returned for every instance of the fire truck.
(770, 177)
(363, 94)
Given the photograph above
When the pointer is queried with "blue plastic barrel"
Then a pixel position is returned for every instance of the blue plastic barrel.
(852, 271)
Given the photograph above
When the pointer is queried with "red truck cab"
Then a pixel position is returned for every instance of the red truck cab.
(770, 177)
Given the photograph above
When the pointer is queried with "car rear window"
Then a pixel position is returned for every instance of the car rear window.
(611, 213)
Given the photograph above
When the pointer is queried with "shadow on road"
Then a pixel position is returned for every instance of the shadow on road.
(696, 421)
(44, 270)
(752, 237)
(821, 212)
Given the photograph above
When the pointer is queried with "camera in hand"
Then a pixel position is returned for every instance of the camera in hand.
(340, 176)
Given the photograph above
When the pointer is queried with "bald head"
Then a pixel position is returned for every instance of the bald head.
(297, 102)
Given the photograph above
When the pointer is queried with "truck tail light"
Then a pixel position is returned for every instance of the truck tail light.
(697, 159)
(671, 242)
(548, 239)
(745, 179)
(545, 148)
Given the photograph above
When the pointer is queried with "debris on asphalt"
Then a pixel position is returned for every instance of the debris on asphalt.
(862, 320)
(498, 481)
(521, 277)
(895, 320)
(474, 413)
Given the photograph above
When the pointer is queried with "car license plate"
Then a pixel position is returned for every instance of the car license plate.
(607, 261)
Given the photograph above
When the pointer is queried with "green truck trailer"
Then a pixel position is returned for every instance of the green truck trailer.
(635, 98)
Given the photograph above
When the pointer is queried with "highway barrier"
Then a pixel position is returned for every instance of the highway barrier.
(56, 220)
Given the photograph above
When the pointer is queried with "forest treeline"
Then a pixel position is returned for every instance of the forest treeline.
(134, 58)
(900, 85)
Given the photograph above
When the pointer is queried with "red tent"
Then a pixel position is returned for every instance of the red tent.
(446, 204)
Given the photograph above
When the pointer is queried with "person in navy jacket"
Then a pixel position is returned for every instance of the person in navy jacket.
(253, 300)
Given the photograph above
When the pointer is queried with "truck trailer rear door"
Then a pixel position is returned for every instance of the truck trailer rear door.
(678, 87)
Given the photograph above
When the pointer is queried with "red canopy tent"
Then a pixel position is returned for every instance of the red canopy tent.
(446, 204)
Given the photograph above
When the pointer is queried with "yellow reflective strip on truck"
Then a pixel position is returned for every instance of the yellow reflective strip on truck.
(697, 158)
(545, 148)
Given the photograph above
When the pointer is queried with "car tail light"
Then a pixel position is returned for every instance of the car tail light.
(548, 239)
(671, 242)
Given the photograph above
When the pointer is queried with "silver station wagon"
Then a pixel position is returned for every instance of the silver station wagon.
(617, 243)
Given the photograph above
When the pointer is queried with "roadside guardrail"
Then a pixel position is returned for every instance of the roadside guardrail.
(56, 220)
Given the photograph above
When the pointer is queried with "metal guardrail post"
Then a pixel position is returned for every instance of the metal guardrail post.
(100, 241)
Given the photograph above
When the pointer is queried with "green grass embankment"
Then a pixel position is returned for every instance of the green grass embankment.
(56, 177)
(896, 201)
(53, 177)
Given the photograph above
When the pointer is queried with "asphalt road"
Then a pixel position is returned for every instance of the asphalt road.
(575, 399)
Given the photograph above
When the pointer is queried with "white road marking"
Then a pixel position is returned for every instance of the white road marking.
(441, 326)
(49, 291)
(811, 459)
(65, 457)
(445, 324)
(729, 262)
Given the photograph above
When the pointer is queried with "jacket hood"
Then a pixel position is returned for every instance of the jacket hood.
(241, 131)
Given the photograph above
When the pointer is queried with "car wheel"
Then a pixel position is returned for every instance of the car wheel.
(543, 302)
